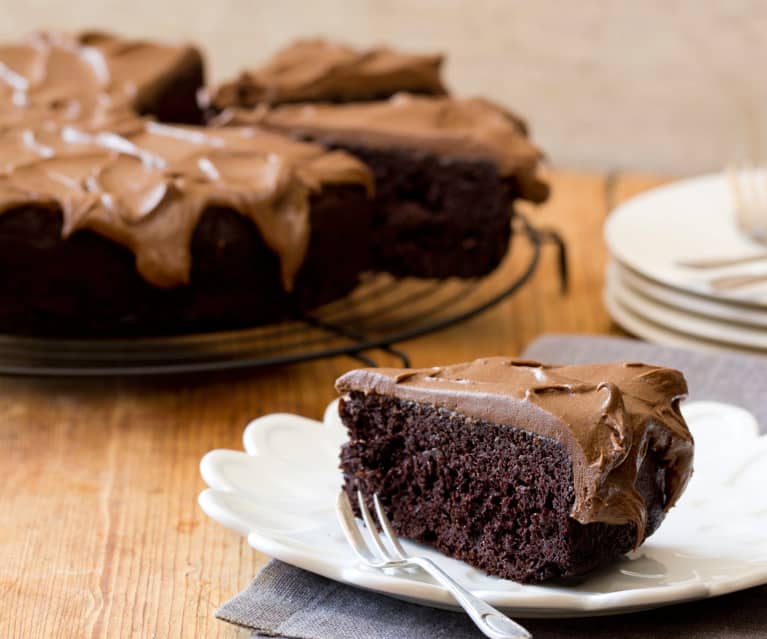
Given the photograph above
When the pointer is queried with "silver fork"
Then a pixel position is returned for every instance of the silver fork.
(747, 185)
(491, 622)
(748, 189)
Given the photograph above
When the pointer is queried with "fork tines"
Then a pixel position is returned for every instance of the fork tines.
(748, 188)
(381, 554)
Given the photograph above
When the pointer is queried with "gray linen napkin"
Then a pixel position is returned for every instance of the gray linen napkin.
(288, 602)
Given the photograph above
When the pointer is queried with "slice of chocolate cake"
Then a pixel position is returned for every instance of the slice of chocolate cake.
(524, 470)
(146, 228)
(447, 172)
(321, 71)
(89, 77)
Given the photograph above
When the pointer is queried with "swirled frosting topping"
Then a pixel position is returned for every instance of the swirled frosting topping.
(461, 127)
(609, 417)
(86, 78)
(318, 70)
(145, 185)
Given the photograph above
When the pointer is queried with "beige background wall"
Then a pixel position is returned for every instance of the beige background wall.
(658, 85)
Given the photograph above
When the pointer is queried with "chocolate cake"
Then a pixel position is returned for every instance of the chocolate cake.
(112, 224)
(527, 471)
(317, 70)
(153, 228)
(447, 173)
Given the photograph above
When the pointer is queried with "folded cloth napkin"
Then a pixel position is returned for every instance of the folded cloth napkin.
(287, 602)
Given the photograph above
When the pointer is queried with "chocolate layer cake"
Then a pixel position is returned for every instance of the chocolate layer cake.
(447, 172)
(321, 71)
(92, 77)
(150, 228)
(524, 470)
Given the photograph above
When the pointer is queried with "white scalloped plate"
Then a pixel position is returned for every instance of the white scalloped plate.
(281, 494)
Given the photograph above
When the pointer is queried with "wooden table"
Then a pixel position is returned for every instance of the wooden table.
(100, 532)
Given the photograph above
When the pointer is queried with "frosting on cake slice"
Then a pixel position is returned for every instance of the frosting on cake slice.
(609, 418)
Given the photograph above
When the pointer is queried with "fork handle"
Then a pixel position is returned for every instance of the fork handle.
(736, 281)
(492, 622)
(719, 262)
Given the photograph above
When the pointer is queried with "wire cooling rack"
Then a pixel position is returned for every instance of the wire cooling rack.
(381, 312)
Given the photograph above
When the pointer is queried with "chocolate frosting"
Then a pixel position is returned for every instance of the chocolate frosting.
(70, 140)
(460, 127)
(609, 417)
(318, 70)
(145, 185)
(91, 77)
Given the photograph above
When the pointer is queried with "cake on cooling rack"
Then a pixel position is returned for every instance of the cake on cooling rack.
(111, 224)
(524, 470)
(318, 70)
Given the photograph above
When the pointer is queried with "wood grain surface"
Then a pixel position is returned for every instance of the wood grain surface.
(100, 532)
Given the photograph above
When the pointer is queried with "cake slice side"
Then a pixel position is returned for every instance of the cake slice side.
(494, 496)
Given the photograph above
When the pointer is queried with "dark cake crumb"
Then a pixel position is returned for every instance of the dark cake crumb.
(494, 496)
(436, 216)
(88, 286)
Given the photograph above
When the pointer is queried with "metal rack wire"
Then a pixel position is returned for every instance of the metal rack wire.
(382, 312)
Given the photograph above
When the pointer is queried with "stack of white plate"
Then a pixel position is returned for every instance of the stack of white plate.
(656, 286)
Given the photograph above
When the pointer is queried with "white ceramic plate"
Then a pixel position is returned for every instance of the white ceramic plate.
(652, 332)
(682, 321)
(731, 312)
(281, 495)
(689, 219)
